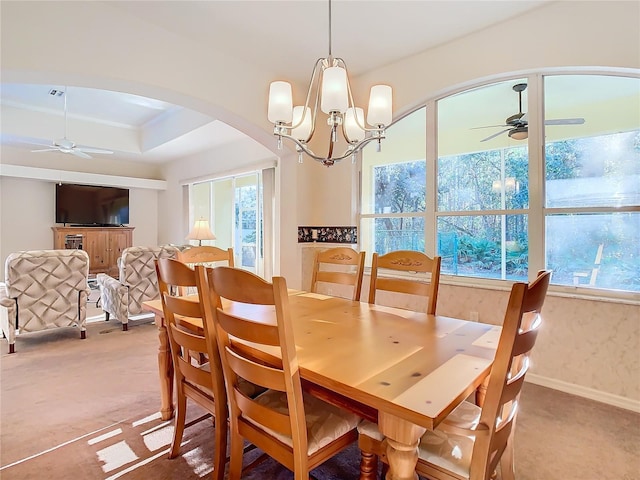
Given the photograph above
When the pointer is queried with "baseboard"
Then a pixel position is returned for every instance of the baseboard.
(585, 392)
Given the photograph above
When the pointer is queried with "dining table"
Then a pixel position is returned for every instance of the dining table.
(404, 370)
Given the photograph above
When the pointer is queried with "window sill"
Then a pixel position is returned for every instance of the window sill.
(581, 293)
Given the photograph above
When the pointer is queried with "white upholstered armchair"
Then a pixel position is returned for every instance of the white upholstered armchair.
(137, 282)
(44, 289)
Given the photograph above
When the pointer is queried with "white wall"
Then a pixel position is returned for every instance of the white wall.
(27, 213)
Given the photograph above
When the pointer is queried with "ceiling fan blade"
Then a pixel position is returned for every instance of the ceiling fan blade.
(489, 126)
(93, 150)
(495, 135)
(565, 121)
(52, 149)
(78, 153)
(39, 144)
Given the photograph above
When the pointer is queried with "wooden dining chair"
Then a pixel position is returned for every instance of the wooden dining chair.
(472, 440)
(298, 430)
(425, 272)
(200, 382)
(341, 266)
(206, 255)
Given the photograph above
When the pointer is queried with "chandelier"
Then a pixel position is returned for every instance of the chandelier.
(329, 89)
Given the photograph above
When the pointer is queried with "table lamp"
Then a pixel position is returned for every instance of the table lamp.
(201, 231)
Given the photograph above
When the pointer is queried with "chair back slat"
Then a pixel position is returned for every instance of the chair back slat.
(206, 255)
(512, 388)
(524, 342)
(342, 278)
(263, 415)
(425, 284)
(400, 285)
(248, 330)
(263, 375)
(329, 267)
(519, 332)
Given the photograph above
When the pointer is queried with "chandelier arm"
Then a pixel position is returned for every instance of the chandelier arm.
(315, 105)
(352, 149)
(306, 103)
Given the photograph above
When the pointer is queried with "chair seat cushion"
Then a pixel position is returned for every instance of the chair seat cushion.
(441, 447)
(451, 450)
(325, 422)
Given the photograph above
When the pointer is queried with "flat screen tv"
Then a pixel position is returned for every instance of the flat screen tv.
(92, 205)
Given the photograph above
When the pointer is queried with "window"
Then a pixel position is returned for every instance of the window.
(592, 181)
(493, 206)
(234, 208)
(482, 189)
(394, 190)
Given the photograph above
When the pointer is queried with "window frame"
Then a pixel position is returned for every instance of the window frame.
(537, 211)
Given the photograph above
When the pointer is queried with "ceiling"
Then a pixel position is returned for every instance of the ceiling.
(298, 34)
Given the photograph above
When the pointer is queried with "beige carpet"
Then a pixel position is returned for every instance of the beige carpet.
(87, 409)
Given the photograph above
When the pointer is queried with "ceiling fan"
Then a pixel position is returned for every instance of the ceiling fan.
(65, 145)
(518, 126)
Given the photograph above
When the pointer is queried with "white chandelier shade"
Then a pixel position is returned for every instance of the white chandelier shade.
(280, 102)
(330, 92)
(353, 118)
(335, 97)
(380, 102)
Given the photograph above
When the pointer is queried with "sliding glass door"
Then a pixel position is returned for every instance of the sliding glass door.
(234, 208)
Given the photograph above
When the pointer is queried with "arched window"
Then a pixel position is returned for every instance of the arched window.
(507, 178)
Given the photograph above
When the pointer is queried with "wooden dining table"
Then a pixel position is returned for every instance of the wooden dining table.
(407, 370)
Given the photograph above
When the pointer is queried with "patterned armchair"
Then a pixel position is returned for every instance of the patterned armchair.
(44, 289)
(137, 282)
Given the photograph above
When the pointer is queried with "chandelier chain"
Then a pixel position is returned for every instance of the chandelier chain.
(329, 28)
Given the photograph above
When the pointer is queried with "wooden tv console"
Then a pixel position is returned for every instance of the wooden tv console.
(103, 244)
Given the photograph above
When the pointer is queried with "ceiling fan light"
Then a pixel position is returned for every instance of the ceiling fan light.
(519, 133)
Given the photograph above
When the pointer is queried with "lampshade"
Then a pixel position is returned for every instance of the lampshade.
(280, 102)
(352, 130)
(303, 132)
(335, 97)
(380, 105)
(201, 231)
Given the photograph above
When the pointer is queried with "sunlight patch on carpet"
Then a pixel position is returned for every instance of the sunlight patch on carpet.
(200, 463)
(147, 419)
(116, 456)
(158, 438)
(106, 436)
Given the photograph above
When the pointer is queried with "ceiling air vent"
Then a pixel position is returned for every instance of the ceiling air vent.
(56, 93)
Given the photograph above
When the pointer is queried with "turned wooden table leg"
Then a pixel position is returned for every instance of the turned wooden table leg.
(368, 466)
(165, 370)
(402, 446)
(402, 460)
